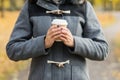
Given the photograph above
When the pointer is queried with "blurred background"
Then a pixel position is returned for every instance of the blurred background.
(108, 12)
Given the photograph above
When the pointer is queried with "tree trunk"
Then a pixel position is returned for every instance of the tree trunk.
(104, 4)
(13, 5)
(2, 8)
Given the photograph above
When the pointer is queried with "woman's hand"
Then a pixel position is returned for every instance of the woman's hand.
(66, 37)
(62, 33)
(52, 34)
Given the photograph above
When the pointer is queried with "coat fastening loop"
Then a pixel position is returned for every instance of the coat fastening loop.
(59, 12)
(59, 64)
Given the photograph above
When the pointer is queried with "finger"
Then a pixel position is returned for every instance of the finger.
(63, 39)
(56, 37)
(65, 28)
(53, 30)
(55, 34)
(66, 34)
(64, 31)
(53, 26)
(67, 37)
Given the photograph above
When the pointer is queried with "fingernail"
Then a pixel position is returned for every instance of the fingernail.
(58, 26)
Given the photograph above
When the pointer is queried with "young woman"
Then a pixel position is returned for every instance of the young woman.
(34, 37)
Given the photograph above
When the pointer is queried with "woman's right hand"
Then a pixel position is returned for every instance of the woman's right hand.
(52, 34)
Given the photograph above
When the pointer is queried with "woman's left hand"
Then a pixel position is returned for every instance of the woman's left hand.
(66, 37)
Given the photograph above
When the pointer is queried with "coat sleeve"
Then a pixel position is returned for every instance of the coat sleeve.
(93, 44)
(21, 45)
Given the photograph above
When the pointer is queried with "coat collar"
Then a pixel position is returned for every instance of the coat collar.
(50, 6)
(47, 5)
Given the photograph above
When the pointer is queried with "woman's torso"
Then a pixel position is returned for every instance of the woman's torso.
(40, 69)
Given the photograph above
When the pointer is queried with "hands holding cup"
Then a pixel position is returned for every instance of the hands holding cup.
(59, 32)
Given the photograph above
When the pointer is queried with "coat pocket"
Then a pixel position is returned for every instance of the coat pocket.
(78, 73)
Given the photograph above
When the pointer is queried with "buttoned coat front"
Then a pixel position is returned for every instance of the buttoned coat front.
(27, 41)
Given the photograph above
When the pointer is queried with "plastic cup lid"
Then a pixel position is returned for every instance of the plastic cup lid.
(59, 22)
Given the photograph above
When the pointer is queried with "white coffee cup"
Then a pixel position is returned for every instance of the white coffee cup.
(59, 23)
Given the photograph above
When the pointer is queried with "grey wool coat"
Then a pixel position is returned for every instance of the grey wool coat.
(27, 41)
